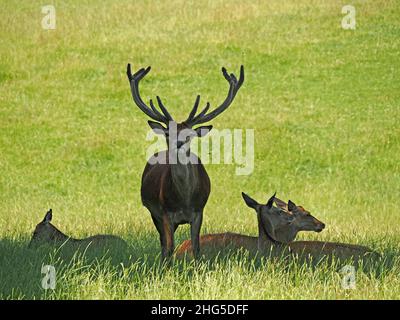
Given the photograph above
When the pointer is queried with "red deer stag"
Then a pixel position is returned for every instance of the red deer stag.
(175, 185)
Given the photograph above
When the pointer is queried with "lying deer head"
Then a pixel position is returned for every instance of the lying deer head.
(179, 135)
(282, 225)
(302, 219)
(45, 231)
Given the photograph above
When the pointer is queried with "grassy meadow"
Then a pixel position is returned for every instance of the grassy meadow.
(324, 103)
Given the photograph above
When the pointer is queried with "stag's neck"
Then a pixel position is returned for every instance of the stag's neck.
(184, 177)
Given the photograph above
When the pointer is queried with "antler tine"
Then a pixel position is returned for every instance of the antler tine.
(164, 110)
(234, 86)
(194, 109)
(155, 109)
(134, 83)
(201, 114)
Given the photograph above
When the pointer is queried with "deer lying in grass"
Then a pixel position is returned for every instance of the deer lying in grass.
(46, 233)
(277, 228)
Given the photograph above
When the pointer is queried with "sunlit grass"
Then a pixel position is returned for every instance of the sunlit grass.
(323, 101)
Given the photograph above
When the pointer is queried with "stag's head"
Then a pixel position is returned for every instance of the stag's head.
(283, 223)
(44, 230)
(180, 134)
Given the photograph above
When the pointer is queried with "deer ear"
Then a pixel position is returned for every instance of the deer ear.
(291, 206)
(249, 201)
(202, 131)
(281, 204)
(271, 200)
(158, 128)
(48, 216)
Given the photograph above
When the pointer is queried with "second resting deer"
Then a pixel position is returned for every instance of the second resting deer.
(47, 233)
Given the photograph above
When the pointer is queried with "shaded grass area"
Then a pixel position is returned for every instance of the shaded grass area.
(138, 274)
(324, 104)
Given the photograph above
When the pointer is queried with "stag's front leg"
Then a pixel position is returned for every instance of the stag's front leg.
(195, 227)
(168, 241)
(158, 222)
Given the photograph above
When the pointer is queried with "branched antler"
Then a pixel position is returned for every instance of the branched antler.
(152, 112)
(202, 117)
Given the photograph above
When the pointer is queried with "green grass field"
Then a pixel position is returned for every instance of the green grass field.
(324, 103)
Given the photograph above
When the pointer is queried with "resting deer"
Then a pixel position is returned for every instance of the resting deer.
(277, 228)
(175, 185)
(45, 232)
